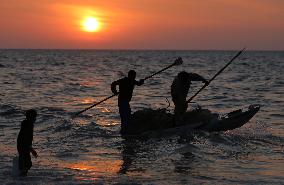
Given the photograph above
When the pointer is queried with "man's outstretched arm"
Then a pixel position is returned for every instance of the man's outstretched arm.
(140, 82)
(197, 77)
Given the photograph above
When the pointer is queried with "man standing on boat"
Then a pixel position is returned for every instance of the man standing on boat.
(126, 87)
(179, 90)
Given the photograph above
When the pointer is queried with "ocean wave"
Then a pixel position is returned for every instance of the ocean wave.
(92, 130)
(62, 126)
(57, 81)
(277, 115)
(52, 111)
(10, 110)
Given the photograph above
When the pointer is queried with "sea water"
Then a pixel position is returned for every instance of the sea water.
(89, 148)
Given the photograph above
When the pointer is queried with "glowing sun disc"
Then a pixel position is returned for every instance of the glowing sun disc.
(91, 24)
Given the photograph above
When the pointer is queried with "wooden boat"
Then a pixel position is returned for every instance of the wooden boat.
(200, 119)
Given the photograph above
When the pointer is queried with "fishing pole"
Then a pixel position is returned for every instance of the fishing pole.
(219, 72)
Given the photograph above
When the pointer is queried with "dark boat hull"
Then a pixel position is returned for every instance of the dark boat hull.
(156, 120)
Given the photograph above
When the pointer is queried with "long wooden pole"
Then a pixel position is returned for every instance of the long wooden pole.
(219, 72)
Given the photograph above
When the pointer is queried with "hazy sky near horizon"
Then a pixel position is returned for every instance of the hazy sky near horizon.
(147, 24)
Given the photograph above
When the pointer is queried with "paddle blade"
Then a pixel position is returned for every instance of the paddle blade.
(178, 61)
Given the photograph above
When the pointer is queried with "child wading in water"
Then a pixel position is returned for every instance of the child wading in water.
(24, 142)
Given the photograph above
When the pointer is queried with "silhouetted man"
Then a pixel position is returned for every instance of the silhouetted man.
(126, 86)
(24, 142)
(179, 90)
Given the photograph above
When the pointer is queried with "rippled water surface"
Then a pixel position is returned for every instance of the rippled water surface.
(89, 148)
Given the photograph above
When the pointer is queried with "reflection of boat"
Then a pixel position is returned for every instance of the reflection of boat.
(199, 119)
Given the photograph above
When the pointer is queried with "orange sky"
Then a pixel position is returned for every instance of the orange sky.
(143, 24)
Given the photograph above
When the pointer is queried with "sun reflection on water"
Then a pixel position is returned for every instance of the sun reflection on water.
(89, 83)
(88, 100)
(103, 109)
(92, 170)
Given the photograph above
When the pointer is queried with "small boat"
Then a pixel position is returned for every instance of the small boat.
(199, 119)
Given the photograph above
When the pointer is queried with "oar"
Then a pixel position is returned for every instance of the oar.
(178, 61)
(219, 72)
(76, 114)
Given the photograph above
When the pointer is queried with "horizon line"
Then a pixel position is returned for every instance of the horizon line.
(139, 49)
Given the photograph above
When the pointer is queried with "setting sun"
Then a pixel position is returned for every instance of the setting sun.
(91, 24)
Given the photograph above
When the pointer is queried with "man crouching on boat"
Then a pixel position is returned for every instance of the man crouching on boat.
(126, 87)
(179, 90)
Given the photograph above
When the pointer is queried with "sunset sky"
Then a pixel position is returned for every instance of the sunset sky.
(142, 24)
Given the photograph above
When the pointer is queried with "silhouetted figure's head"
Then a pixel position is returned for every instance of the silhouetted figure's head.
(31, 115)
(132, 74)
(183, 76)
